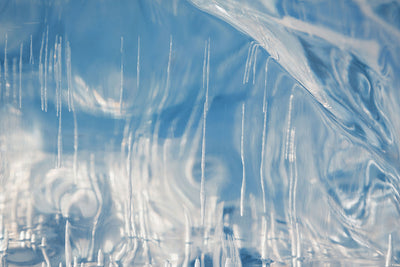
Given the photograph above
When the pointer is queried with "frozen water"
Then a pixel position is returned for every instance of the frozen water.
(199, 133)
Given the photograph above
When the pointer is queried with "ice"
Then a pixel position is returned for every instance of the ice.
(243, 189)
(199, 133)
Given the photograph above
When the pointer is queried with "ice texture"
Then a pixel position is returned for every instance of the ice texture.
(199, 133)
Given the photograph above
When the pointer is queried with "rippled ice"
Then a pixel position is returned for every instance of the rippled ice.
(203, 133)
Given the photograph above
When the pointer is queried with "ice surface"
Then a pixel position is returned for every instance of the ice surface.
(199, 133)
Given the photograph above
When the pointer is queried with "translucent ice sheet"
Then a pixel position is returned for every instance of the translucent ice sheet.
(199, 133)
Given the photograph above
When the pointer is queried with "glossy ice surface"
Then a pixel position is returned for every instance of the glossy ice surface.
(199, 133)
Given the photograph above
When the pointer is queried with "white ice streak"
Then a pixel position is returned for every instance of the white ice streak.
(68, 249)
(31, 60)
(57, 76)
(389, 252)
(69, 75)
(264, 232)
(20, 76)
(138, 65)
(166, 92)
(41, 74)
(206, 73)
(6, 82)
(46, 69)
(14, 80)
(251, 61)
(243, 188)
(121, 92)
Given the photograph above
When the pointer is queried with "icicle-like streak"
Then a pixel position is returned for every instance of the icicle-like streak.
(57, 64)
(255, 64)
(243, 188)
(250, 61)
(6, 83)
(130, 215)
(292, 215)
(69, 75)
(68, 249)
(31, 61)
(187, 240)
(291, 157)
(288, 128)
(166, 92)
(41, 80)
(264, 229)
(138, 65)
(20, 76)
(388, 261)
(54, 62)
(1, 86)
(100, 258)
(71, 107)
(45, 69)
(96, 189)
(206, 74)
(130, 218)
(163, 100)
(121, 93)
(14, 79)
(76, 144)
(265, 107)
(264, 237)
(144, 226)
(246, 67)
(43, 246)
(75, 159)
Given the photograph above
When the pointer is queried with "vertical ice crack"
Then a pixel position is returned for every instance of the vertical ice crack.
(58, 70)
(41, 81)
(31, 61)
(121, 93)
(291, 157)
(389, 252)
(292, 198)
(6, 83)
(69, 75)
(264, 220)
(164, 98)
(166, 92)
(14, 80)
(68, 249)
(243, 188)
(96, 189)
(20, 75)
(43, 247)
(187, 239)
(251, 61)
(130, 223)
(53, 65)
(75, 159)
(206, 73)
(138, 65)
(45, 69)
(1, 84)
(255, 63)
(288, 128)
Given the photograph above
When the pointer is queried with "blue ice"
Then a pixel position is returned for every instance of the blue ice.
(199, 133)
